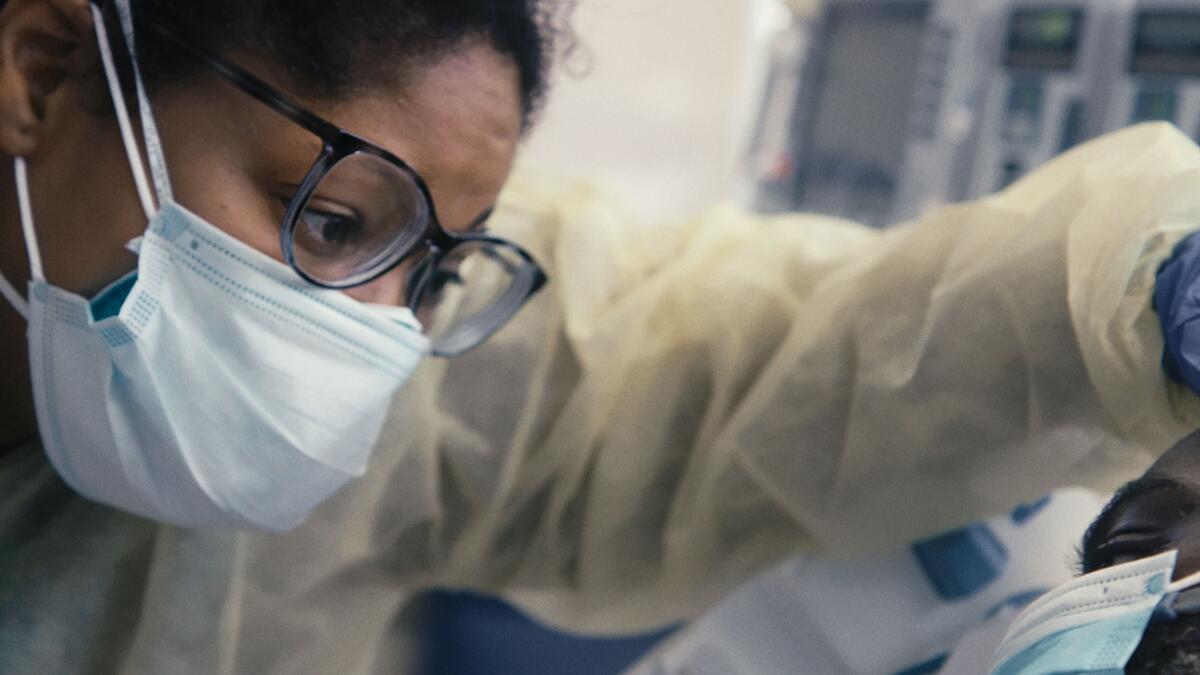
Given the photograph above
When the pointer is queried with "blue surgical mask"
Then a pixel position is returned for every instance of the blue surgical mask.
(1092, 624)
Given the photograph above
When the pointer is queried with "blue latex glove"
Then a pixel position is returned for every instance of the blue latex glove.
(1177, 301)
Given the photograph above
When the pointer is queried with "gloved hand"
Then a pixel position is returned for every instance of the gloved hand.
(1177, 301)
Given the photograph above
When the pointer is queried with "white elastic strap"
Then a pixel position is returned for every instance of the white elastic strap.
(1184, 583)
(154, 151)
(118, 97)
(14, 298)
(26, 210)
(10, 293)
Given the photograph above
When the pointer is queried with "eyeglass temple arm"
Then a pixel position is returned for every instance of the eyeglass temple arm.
(244, 80)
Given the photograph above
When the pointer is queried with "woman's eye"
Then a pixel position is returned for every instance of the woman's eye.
(329, 229)
(1128, 548)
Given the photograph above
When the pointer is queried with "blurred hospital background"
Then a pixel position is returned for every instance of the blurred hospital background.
(873, 110)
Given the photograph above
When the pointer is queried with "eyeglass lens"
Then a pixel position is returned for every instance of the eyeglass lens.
(363, 216)
(473, 291)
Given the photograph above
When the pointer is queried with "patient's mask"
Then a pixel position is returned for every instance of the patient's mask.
(213, 386)
(1094, 623)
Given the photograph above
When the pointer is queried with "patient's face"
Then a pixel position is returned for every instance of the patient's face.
(1155, 513)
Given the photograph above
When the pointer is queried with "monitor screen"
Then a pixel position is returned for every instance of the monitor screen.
(1167, 42)
(1045, 38)
(864, 91)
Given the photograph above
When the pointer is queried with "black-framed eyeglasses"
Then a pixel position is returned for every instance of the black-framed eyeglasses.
(360, 211)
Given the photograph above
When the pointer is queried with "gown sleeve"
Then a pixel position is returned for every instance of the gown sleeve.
(688, 403)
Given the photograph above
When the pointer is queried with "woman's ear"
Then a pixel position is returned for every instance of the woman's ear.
(42, 44)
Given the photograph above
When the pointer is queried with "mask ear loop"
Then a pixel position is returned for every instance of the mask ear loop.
(162, 183)
(1180, 598)
(14, 298)
(153, 142)
(9, 292)
(1184, 583)
(26, 211)
(118, 97)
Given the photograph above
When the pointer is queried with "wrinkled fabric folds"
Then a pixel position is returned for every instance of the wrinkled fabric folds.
(732, 387)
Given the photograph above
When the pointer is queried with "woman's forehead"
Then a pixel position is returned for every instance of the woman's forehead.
(457, 122)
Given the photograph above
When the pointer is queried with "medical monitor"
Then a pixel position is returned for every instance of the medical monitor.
(864, 94)
(1166, 42)
(1044, 38)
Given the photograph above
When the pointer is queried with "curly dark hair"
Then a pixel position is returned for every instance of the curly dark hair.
(329, 48)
